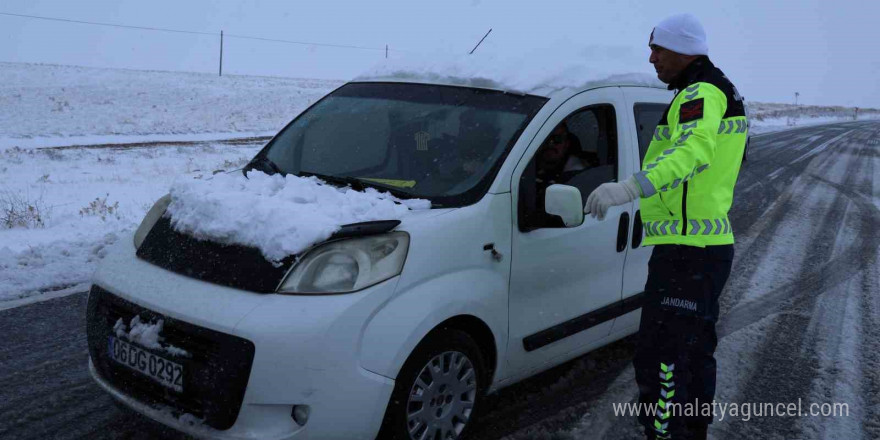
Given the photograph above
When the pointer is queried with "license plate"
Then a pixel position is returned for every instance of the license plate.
(167, 373)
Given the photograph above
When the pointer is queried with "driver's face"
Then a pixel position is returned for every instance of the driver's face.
(556, 146)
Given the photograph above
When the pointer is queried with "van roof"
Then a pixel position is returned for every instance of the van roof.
(542, 74)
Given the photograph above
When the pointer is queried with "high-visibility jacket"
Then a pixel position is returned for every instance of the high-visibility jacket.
(693, 161)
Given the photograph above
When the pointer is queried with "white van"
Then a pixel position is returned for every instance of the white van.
(502, 278)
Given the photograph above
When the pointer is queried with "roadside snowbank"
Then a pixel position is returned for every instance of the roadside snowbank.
(771, 125)
(88, 199)
(126, 141)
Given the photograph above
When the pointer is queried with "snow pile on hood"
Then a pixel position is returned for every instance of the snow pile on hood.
(147, 335)
(537, 72)
(280, 215)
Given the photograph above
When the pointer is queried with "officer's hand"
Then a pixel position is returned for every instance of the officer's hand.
(610, 194)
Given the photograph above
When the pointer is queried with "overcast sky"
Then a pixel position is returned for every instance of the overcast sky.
(826, 50)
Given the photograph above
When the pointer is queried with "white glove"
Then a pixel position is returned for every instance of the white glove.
(611, 194)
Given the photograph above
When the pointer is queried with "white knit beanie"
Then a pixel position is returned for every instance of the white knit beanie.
(681, 33)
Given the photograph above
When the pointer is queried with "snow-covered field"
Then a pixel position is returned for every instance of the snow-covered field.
(87, 199)
(63, 105)
(800, 113)
(60, 207)
(767, 117)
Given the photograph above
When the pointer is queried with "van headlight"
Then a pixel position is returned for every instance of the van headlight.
(348, 265)
(153, 216)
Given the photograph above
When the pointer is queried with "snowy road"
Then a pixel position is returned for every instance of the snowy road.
(800, 320)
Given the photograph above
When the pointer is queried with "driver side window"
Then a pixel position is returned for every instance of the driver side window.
(581, 151)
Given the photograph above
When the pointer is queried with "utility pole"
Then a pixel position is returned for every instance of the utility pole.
(481, 41)
(221, 52)
(386, 51)
(796, 95)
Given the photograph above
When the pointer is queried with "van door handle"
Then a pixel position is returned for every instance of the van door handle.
(490, 247)
(637, 230)
(623, 232)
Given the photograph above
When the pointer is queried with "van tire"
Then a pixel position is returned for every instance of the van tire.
(440, 350)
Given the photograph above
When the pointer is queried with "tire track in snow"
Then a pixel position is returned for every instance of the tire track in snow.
(788, 361)
(754, 192)
(869, 355)
(864, 356)
(757, 216)
(834, 272)
(557, 397)
(35, 383)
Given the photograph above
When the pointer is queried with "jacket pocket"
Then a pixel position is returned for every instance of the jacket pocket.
(664, 203)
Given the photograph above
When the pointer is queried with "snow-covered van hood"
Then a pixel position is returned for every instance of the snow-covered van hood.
(279, 215)
(247, 233)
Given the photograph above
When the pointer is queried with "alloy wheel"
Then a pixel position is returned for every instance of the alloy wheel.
(441, 401)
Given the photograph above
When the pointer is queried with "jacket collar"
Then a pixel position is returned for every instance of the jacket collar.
(690, 73)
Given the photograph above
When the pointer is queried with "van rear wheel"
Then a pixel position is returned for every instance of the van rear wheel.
(438, 389)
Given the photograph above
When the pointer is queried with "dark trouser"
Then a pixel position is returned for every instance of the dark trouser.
(674, 360)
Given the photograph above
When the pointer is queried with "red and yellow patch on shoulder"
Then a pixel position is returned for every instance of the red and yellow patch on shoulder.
(691, 111)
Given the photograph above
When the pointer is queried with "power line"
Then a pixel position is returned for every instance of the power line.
(245, 37)
(305, 43)
(107, 24)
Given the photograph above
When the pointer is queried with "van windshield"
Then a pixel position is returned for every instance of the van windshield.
(440, 143)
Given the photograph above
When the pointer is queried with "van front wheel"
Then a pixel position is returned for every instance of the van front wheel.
(438, 389)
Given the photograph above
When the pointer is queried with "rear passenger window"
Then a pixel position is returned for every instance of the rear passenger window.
(647, 118)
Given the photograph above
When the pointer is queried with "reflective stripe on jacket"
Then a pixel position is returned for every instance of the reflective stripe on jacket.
(692, 163)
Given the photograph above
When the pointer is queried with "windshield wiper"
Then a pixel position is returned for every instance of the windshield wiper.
(264, 164)
(359, 184)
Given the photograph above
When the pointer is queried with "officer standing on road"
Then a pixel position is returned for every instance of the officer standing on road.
(686, 190)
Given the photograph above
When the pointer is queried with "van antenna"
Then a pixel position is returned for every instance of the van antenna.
(481, 41)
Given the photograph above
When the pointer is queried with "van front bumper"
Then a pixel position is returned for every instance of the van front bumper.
(305, 351)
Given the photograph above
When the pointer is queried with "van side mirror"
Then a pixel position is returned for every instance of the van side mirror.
(564, 201)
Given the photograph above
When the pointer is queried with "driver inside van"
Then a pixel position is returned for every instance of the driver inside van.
(560, 157)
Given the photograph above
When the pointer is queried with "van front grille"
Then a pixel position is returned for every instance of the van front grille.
(215, 374)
